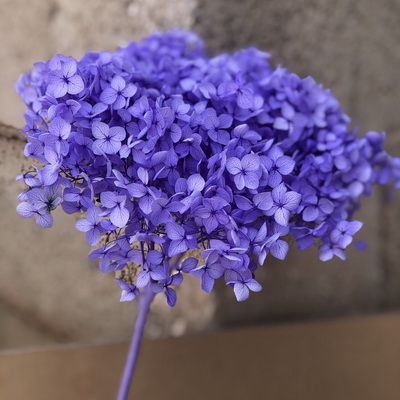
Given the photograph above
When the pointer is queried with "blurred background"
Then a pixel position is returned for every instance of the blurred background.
(50, 293)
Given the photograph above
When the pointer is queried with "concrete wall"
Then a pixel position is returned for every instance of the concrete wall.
(50, 292)
(352, 47)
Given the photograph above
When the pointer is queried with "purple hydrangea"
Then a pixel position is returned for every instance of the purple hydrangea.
(163, 149)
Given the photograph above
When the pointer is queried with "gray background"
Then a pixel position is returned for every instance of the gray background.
(51, 293)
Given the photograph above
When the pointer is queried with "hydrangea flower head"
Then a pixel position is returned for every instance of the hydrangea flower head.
(163, 150)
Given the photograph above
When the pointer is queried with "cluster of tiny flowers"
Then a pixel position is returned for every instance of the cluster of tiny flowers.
(165, 150)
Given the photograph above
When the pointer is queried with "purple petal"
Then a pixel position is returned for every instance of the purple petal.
(195, 182)
(136, 257)
(342, 162)
(45, 220)
(274, 178)
(69, 67)
(119, 103)
(287, 111)
(160, 216)
(102, 145)
(253, 285)
(159, 273)
(279, 249)
(210, 224)
(207, 283)
(336, 235)
(281, 124)
(243, 203)
(60, 128)
(310, 213)
(136, 190)
(344, 240)
(240, 130)
(170, 294)
(189, 264)
(175, 206)
(305, 242)
(108, 96)
(145, 204)
(239, 181)
(70, 208)
(199, 271)
(285, 165)
(57, 84)
(215, 270)
(50, 174)
(177, 247)
(203, 213)
(83, 225)
(108, 199)
(100, 130)
(51, 156)
(278, 193)
(119, 216)
(241, 291)
(93, 236)
(176, 279)
(233, 165)
(75, 84)
(93, 214)
(219, 136)
(128, 295)
(262, 233)
(282, 216)
(25, 210)
(175, 231)
(143, 279)
(251, 180)
(263, 201)
(292, 200)
(360, 245)
(130, 90)
(326, 255)
(250, 162)
(245, 99)
(60, 89)
(176, 133)
(117, 133)
(354, 227)
(211, 122)
(325, 206)
(118, 83)
(225, 121)
(154, 257)
(275, 153)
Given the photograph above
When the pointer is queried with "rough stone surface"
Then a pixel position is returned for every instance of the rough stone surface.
(47, 282)
(34, 30)
(49, 286)
(47, 279)
(351, 48)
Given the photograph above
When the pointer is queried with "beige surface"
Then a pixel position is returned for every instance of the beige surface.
(352, 47)
(35, 30)
(347, 359)
(47, 283)
(52, 289)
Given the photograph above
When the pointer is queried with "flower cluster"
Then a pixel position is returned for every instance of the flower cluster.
(165, 150)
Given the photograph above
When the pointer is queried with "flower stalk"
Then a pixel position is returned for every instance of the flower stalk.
(145, 301)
